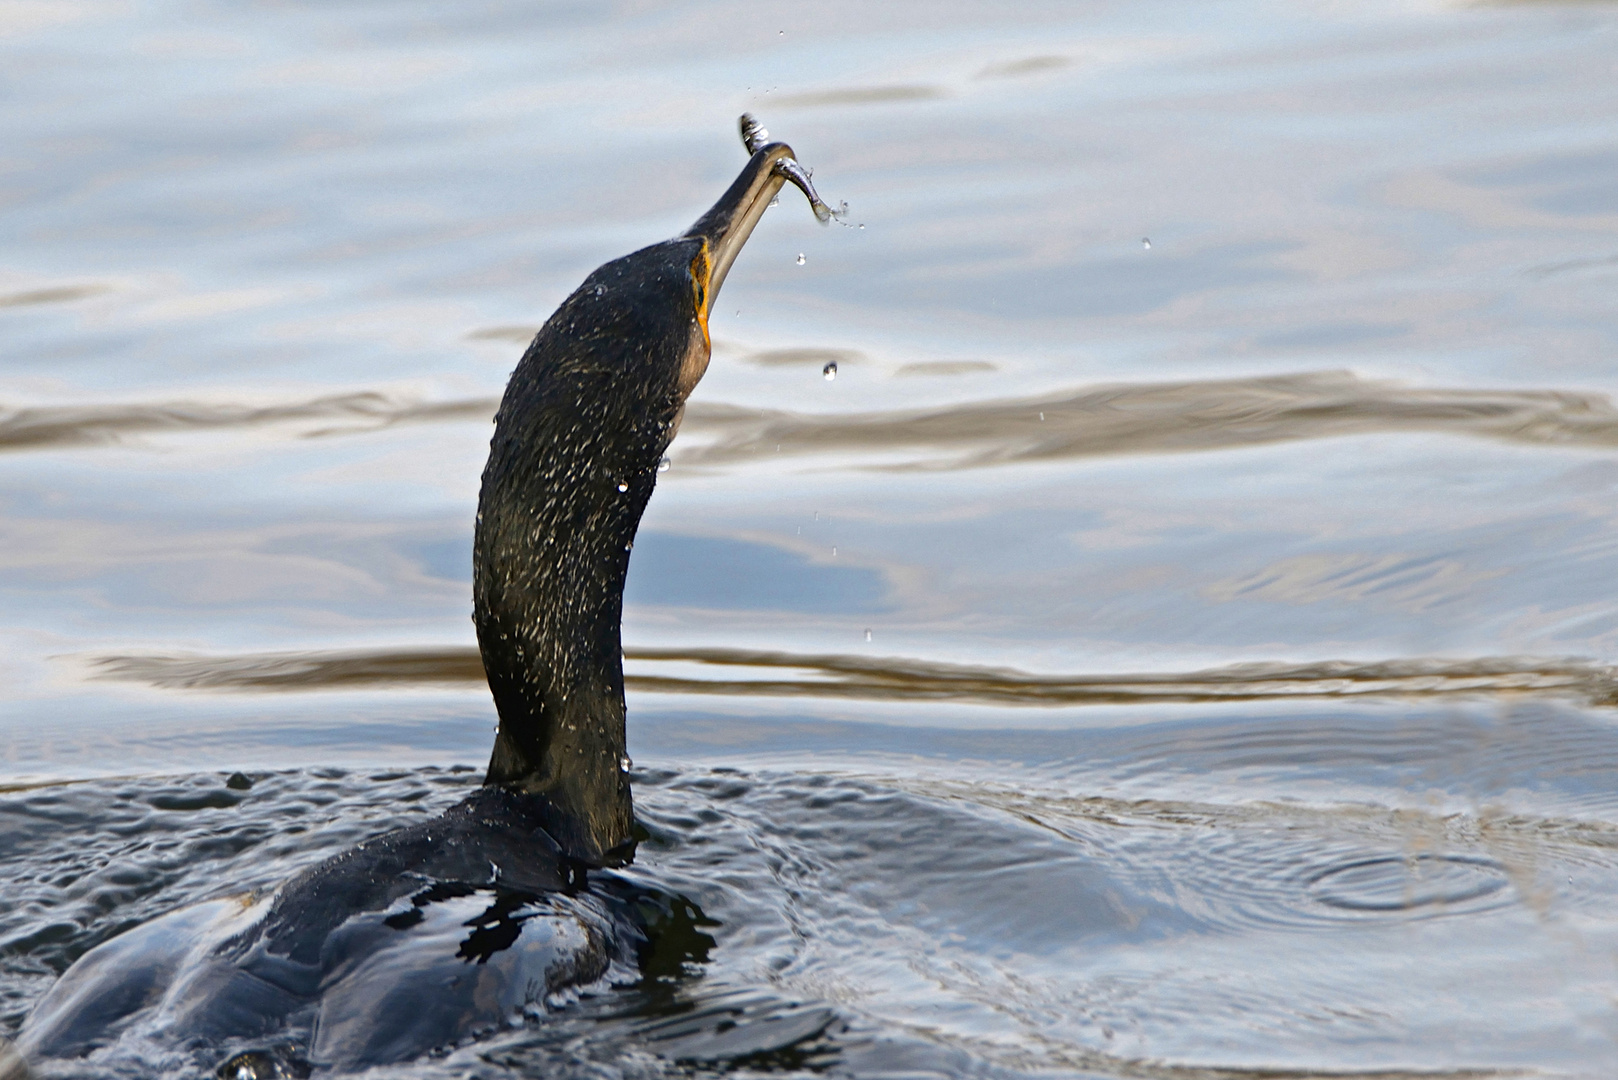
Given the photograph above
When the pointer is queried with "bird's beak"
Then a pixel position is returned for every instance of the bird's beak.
(726, 227)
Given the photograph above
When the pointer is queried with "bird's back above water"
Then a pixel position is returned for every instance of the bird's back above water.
(414, 940)
(428, 935)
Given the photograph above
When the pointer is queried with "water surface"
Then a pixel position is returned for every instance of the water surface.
(1177, 644)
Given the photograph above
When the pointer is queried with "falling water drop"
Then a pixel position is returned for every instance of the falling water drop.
(867, 635)
(665, 465)
(1041, 418)
(622, 486)
(1146, 242)
(834, 553)
(830, 371)
(801, 259)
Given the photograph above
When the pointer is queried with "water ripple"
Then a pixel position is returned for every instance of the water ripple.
(47, 426)
(869, 925)
(1124, 418)
(1172, 417)
(1390, 883)
(893, 678)
(59, 294)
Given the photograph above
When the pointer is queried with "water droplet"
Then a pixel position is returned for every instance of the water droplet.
(1146, 242)
(625, 763)
(665, 465)
(1041, 418)
(780, 33)
(830, 371)
(834, 553)
(801, 259)
(775, 201)
(867, 635)
(777, 448)
(862, 226)
(622, 486)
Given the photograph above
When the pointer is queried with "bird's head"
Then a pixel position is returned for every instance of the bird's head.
(717, 237)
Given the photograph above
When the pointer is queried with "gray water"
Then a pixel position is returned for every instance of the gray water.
(1176, 644)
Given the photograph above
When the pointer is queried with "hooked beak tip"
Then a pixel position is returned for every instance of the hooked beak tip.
(756, 138)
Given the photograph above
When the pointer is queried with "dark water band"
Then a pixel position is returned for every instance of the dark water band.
(1122, 418)
(891, 678)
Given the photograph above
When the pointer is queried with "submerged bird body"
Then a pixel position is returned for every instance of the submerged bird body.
(429, 934)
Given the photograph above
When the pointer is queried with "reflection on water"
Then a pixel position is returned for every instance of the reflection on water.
(977, 695)
(946, 367)
(1152, 418)
(60, 294)
(895, 678)
(715, 573)
(1184, 417)
(806, 358)
(858, 95)
(43, 427)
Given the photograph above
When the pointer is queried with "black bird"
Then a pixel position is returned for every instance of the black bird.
(367, 958)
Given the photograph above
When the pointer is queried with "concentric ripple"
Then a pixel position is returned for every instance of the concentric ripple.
(1405, 884)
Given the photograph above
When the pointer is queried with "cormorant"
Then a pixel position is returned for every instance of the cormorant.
(366, 958)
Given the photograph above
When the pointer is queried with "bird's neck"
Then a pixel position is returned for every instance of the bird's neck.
(571, 466)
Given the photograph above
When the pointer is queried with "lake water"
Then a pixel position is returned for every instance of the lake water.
(1174, 645)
